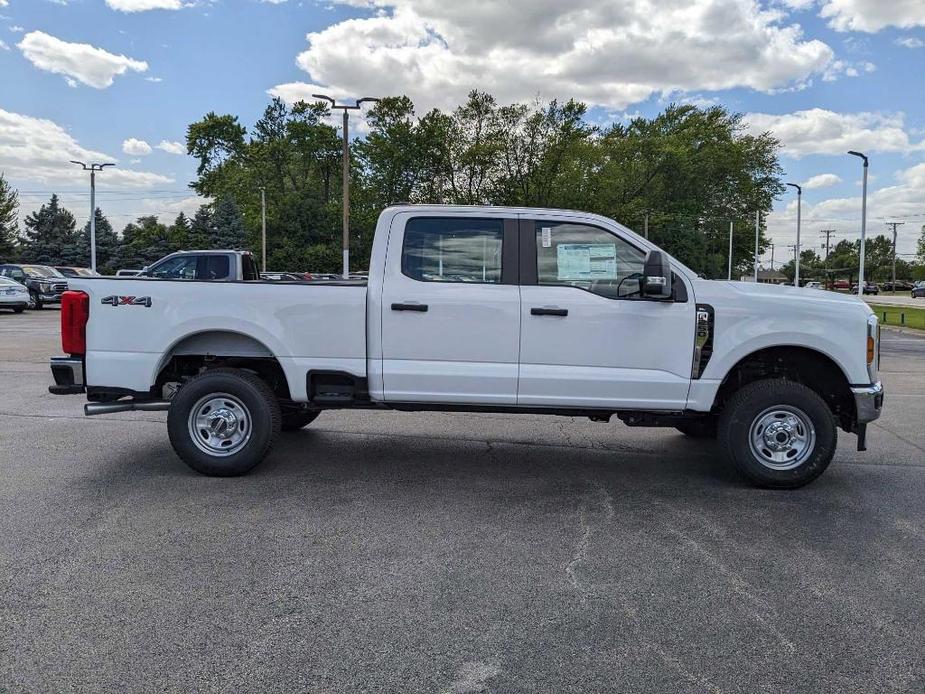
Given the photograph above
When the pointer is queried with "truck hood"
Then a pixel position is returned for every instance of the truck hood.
(758, 291)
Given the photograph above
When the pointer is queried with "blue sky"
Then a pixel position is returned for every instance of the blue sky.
(121, 79)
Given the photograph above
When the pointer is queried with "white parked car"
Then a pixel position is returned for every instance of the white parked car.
(13, 295)
(813, 285)
(484, 309)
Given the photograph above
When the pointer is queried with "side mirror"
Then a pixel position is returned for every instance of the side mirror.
(656, 276)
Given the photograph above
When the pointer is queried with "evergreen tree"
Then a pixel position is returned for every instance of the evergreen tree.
(228, 225)
(179, 233)
(144, 241)
(51, 235)
(9, 230)
(920, 250)
(107, 246)
(200, 229)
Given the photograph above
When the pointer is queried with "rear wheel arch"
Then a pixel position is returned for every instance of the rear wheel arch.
(201, 351)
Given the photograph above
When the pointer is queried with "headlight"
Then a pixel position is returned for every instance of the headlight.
(44, 287)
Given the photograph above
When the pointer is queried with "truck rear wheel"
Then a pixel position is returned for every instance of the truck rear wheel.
(223, 422)
(779, 434)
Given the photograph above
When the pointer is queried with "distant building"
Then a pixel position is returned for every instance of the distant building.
(767, 277)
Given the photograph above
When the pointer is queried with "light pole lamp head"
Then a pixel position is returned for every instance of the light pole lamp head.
(859, 154)
(799, 188)
(324, 97)
(372, 99)
(79, 163)
(103, 166)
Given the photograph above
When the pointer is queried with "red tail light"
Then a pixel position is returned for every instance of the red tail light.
(75, 311)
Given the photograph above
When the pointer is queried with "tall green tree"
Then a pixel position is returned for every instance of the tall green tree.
(144, 241)
(227, 225)
(9, 229)
(50, 237)
(179, 232)
(107, 246)
(200, 228)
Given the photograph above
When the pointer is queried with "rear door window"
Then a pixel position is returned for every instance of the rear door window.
(214, 267)
(453, 249)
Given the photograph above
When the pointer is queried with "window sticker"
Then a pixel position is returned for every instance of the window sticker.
(547, 237)
(586, 261)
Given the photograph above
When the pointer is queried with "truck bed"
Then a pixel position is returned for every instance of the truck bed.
(142, 322)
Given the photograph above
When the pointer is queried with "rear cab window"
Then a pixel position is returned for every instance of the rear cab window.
(453, 249)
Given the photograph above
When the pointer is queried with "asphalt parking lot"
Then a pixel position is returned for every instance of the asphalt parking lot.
(450, 553)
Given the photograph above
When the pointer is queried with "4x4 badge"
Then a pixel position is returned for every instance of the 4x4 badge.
(126, 301)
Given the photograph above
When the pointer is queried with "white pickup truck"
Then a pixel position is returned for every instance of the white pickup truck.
(483, 309)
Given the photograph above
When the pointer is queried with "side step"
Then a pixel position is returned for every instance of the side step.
(92, 408)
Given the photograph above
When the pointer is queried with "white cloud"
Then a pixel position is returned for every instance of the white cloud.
(137, 148)
(88, 64)
(39, 150)
(605, 53)
(909, 42)
(154, 79)
(3, 46)
(143, 5)
(818, 131)
(172, 147)
(16, 29)
(822, 181)
(4, 3)
(906, 200)
(872, 15)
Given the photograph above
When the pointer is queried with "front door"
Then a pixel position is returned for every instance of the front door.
(451, 310)
(587, 340)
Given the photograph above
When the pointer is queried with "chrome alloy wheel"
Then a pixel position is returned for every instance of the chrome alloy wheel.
(782, 437)
(220, 424)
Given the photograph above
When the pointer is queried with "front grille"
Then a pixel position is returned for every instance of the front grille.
(59, 287)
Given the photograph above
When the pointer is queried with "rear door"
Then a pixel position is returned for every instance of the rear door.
(451, 309)
(587, 340)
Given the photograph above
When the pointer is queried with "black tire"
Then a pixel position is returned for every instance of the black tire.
(298, 419)
(244, 389)
(700, 428)
(19, 310)
(35, 302)
(780, 402)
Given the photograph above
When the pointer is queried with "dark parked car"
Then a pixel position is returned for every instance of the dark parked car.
(45, 284)
(918, 291)
(869, 288)
(901, 286)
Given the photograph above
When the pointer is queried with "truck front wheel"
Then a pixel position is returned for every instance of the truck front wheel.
(778, 434)
(223, 422)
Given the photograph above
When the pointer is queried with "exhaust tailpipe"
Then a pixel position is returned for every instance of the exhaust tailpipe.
(93, 408)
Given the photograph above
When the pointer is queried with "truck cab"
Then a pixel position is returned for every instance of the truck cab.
(219, 265)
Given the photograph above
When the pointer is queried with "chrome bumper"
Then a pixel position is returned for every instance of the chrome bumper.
(868, 401)
(69, 376)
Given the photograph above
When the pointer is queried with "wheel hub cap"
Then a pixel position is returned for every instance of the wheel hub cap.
(219, 424)
(782, 437)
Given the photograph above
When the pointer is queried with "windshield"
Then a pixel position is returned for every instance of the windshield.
(5, 280)
(40, 271)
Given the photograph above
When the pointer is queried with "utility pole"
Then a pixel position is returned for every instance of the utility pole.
(92, 168)
(263, 225)
(796, 263)
(645, 226)
(861, 282)
(346, 171)
(757, 232)
(894, 225)
(729, 276)
(772, 256)
(828, 235)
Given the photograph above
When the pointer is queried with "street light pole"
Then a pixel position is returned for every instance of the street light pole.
(263, 226)
(863, 224)
(796, 262)
(757, 232)
(346, 172)
(729, 274)
(92, 168)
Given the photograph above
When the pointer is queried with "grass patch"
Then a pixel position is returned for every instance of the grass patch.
(900, 316)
